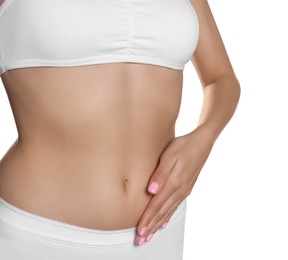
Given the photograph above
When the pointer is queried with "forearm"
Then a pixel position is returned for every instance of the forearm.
(219, 104)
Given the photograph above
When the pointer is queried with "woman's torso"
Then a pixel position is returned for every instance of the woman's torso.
(90, 137)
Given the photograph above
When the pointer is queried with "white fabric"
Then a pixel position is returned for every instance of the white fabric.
(37, 33)
(26, 236)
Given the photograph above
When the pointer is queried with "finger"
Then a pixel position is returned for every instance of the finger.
(155, 204)
(166, 218)
(154, 225)
(152, 206)
(147, 234)
(147, 237)
(161, 207)
(161, 174)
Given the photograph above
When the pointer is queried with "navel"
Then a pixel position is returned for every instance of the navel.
(125, 184)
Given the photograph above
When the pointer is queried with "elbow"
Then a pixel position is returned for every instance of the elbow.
(237, 86)
(233, 84)
(229, 80)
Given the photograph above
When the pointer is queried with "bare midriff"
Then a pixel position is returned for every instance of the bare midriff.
(89, 139)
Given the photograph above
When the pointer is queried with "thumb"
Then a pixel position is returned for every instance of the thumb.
(160, 175)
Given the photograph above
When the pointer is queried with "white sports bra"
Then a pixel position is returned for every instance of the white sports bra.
(53, 33)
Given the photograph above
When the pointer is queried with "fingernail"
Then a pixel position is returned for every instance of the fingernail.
(149, 237)
(164, 225)
(153, 187)
(142, 240)
(142, 231)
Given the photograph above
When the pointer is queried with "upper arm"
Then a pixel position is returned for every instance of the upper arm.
(210, 58)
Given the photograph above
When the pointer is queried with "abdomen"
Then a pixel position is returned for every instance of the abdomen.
(89, 139)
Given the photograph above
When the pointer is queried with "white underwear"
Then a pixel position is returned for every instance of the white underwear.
(26, 236)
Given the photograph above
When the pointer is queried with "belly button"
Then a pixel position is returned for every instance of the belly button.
(125, 184)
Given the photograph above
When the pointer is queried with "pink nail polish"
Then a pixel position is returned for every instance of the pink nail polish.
(149, 237)
(164, 225)
(142, 231)
(153, 187)
(142, 240)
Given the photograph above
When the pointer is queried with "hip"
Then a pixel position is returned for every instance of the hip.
(28, 236)
(93, 195)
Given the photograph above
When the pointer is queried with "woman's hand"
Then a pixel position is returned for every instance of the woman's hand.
(173, 180)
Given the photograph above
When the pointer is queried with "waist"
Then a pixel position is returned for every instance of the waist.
(107, 183)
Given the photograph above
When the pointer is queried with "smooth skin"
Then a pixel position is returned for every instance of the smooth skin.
(183, 159)
(91, 138)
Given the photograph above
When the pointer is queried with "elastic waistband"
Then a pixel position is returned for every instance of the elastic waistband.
(41, 227)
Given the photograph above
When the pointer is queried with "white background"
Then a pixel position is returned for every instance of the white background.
(238, 207)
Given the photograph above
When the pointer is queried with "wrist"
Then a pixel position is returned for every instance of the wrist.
(208, 133)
